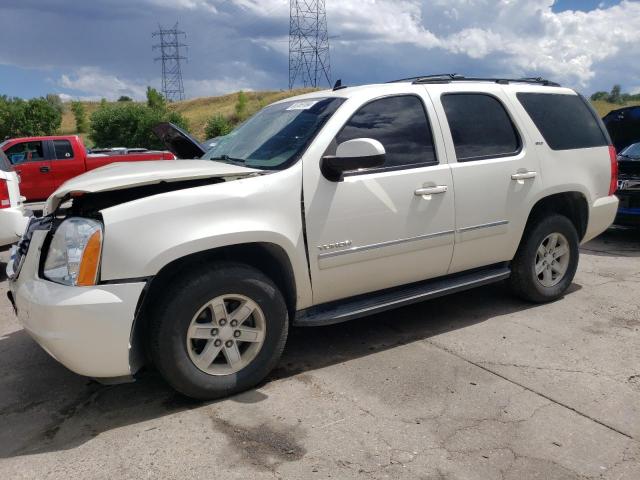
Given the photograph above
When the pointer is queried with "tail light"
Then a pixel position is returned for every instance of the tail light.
(5, 201)
(613, 186)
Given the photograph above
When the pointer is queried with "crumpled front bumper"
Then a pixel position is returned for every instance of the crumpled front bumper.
(87, 329)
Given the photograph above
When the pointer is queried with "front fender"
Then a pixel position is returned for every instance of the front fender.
(143, 236)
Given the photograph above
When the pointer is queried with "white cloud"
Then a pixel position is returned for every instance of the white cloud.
(94, 83)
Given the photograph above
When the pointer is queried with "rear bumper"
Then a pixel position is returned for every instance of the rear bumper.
(601, 216)
(87, 329)
(13, 222)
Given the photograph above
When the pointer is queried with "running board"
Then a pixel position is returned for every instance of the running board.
(376, 302)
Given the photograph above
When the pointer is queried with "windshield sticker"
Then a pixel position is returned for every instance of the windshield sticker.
(302, 105)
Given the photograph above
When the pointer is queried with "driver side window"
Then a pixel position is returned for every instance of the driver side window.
(400, 124)
(25, 152)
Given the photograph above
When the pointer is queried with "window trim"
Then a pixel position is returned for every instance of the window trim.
(410, 166)
(514, 125)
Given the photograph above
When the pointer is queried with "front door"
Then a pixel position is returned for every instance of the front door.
(386, 226)
(32, 162)
(496, 172)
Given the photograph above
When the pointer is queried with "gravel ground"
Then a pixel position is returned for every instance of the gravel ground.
(473, 386)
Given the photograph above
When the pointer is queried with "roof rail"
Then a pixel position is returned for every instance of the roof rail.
(454, 77)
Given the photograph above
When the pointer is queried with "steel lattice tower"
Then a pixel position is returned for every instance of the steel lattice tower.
(171, 56)
(308, 43)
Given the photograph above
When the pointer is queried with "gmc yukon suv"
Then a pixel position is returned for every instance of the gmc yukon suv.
(319, 209)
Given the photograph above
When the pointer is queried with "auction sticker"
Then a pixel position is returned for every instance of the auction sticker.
(302, 105)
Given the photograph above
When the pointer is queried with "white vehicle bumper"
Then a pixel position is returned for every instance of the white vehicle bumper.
(601, 216)
(13, 221)
(87, 329)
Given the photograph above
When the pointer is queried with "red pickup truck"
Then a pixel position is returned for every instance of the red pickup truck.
(45, 163)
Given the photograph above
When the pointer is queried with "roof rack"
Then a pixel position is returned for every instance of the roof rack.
(454, 77)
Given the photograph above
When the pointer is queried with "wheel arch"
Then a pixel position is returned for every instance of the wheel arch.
(271, 259)
(573, 205)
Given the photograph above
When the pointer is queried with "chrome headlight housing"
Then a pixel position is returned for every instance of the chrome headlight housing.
(74, 252)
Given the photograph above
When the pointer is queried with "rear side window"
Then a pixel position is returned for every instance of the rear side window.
(399, 124)
(480, 126)
(565, 121)
(63, 149)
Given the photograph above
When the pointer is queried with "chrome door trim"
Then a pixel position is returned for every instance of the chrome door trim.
(484, 225)
(389, 243)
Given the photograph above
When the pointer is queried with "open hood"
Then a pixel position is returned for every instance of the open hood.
(119, 176)
(178, 142)
(623, 126)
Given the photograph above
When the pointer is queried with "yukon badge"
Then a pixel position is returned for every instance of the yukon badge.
(331, 246)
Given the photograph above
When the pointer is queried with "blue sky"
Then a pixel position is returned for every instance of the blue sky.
(102, 48)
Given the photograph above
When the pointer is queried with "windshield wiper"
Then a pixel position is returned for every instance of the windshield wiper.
(227, 158)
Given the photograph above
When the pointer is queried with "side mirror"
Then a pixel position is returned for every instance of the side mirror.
(352, 155)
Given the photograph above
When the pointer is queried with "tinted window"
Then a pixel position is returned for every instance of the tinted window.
(63, 149)
(399, 124)
(480, 126)
(565, 121)
(25, 152)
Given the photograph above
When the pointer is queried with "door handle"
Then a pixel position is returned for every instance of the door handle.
(45, 169)
(523, 175)
(421, 192)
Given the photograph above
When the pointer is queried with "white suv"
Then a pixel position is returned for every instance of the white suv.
(319, 209)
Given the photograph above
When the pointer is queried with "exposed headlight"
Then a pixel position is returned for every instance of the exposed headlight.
(74, 253)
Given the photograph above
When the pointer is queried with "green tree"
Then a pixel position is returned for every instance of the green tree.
(80, 114)
(616, 94)
(55, 101)
(241, 107)
(129, 124)
(28, 118)
(600, 96)
(217, 126)
(155, 99)
(125, 98)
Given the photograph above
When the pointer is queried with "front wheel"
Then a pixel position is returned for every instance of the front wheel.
(546, 261)
(219, 331)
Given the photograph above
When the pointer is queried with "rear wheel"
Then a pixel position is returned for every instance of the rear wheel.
(219, 331)
(546, 261)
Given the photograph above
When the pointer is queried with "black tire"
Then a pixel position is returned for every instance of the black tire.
(524, 281)
(172, 315)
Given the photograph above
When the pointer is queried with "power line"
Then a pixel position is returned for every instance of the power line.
(171, 56)
(308, 43)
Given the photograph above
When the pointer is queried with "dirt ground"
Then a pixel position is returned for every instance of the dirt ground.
(473, 386)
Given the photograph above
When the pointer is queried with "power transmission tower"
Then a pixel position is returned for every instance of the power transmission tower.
(171, 56)
(308, 43)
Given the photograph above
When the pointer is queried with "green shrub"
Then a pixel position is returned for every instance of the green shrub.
(241, 107)
(128, 124)
(217, 126)
(80, 114)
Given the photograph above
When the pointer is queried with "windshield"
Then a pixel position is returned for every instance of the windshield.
(276, 136)
(632, 151)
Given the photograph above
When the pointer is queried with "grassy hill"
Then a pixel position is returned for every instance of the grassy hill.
(199, 110)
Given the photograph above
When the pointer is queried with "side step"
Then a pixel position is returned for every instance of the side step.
(376, 302)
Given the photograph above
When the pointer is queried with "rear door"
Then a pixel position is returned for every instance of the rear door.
(32, 162)
(496, 172)
(66, 163)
